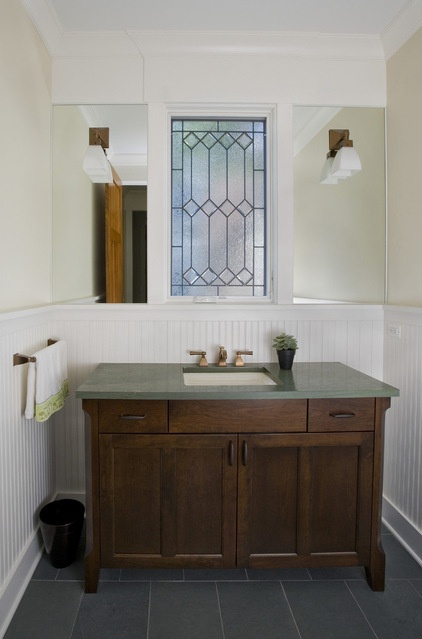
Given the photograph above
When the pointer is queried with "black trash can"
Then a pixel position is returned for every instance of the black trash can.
(61, 524)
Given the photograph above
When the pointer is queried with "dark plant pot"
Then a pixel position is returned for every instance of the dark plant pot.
(285, 358)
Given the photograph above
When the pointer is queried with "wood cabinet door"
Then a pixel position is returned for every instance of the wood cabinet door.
(304, 500)
(336, 499)
(168, 500)
(267, 499)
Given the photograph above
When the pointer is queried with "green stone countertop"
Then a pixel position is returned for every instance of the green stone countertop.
(165, 381)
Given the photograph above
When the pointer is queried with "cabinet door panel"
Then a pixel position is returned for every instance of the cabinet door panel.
(268, 497)
(136, 504)
(198, 503)
(168, 500)
(335, 497)
(305, 500)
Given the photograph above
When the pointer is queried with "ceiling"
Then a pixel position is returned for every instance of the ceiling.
(371, 17)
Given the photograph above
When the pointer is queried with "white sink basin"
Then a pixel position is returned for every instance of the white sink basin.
(235, 378)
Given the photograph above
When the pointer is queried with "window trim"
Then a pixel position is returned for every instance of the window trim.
(245, 111)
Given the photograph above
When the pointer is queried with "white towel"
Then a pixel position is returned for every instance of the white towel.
(47, 382)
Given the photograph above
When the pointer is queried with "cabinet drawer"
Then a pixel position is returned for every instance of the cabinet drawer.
(352, 414)
(238, 416)
(132, 416)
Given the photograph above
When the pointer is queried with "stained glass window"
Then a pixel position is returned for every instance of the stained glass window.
(218, 232)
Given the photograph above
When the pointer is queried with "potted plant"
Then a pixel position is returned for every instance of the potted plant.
(286, 347)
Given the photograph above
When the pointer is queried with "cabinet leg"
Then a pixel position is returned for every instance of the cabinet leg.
(92, 573)
(375, 572)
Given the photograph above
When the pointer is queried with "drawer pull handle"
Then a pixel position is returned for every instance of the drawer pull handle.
(342, 415)
(231, 454)
(123, 416)
(245, 453)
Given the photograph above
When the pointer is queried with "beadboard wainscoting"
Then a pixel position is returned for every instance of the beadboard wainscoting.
(403, 435)
(37, 461)
(27, 459)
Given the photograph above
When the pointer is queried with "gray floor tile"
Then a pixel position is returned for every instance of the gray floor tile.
(399, 563)
(215, 574)
(184, 611)
(338, 572)
(395, 613)
(116, 610)
(45, 571)
(327, 610)
(255, 610)
(74, 572)
(417, 585)
(48, 610)
(110, 574)
(278, 574)
(151, 574)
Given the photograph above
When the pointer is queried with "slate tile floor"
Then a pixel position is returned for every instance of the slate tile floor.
(223, 604)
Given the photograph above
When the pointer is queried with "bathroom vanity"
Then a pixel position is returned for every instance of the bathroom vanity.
(261, 476)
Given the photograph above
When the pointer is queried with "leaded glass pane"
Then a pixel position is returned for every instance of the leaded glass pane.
(218, 207)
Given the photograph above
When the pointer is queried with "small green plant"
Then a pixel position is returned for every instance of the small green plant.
(285, 342)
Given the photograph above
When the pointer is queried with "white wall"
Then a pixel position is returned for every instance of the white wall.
(78, 212)
(404, 174)
(27, 463)
(25, 211)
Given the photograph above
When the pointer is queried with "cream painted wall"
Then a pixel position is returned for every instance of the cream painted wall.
(25, 238)
(340, 229)
(78, 205)
(404, 134)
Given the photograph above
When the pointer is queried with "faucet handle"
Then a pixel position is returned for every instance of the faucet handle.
(203, 360)
(239, 361)
(222, 357)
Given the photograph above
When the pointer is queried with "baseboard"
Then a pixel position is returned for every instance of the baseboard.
(403, 530)
(18, 582)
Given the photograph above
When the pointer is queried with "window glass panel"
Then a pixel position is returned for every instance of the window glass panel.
(218, 207)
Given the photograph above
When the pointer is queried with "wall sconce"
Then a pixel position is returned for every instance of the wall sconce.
(342, 159)
(95, 163)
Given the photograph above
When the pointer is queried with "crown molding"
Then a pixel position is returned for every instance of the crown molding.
(62, 44)
(402, 28)
(46, 23)
(157, 43)
(298, 44)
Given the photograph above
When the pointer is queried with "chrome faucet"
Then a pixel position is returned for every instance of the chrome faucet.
(222, 357)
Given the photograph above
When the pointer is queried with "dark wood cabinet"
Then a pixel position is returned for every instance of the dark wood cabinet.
(252, 483)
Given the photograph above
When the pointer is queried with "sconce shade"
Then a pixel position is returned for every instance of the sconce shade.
(96, 165)
(346, 163)
(326, 175)
(342, 159)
